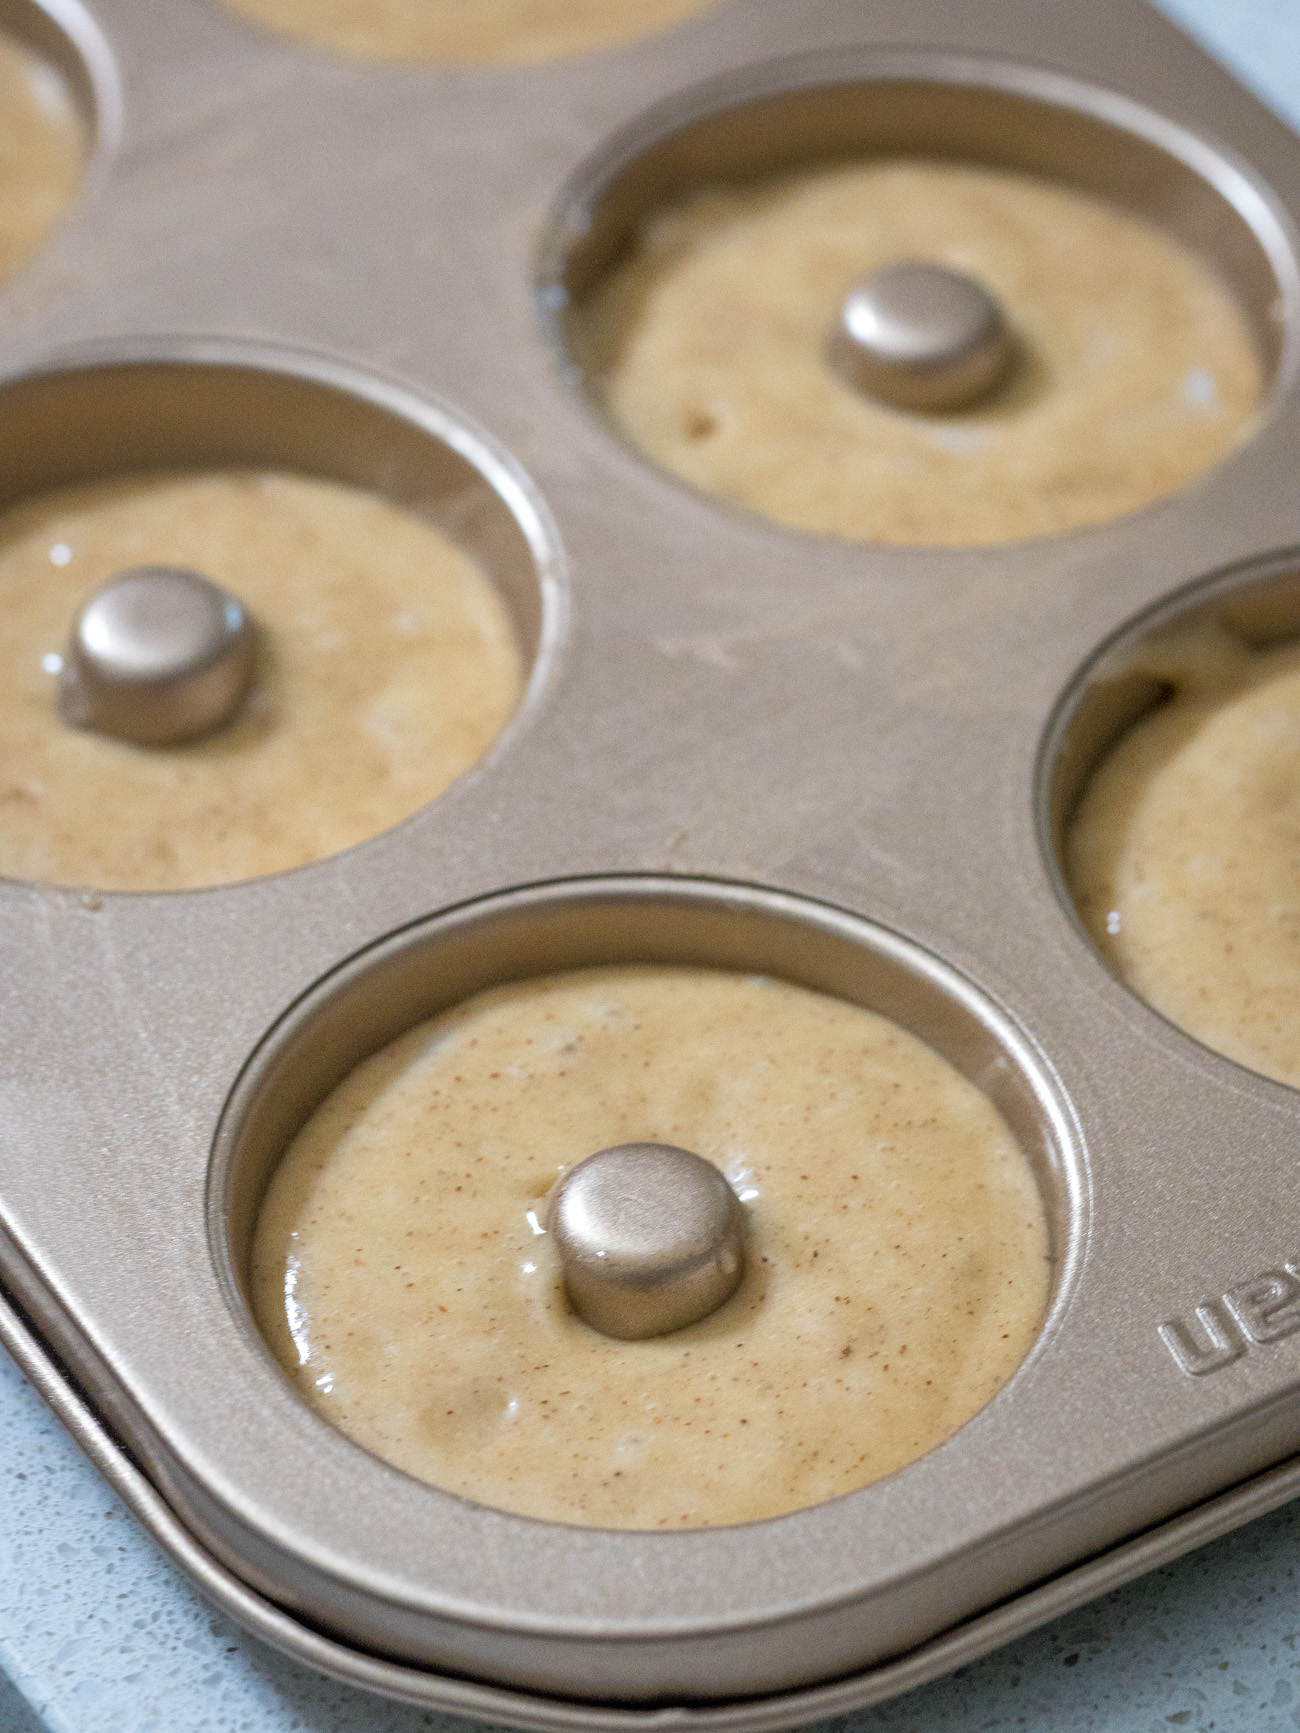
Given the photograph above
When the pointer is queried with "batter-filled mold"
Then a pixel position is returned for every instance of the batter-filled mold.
(897, 1269)
(391, 598)
(924, 1153)
(713, 271)
(1176, 817)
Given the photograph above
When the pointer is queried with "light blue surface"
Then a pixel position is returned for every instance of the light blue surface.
(101, 1635)
(98, 1633)
(1258, 39)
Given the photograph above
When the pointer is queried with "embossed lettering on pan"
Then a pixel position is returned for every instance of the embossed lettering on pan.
(1255, 1314)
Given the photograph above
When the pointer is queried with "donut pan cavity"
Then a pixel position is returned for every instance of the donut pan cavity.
(740, 745)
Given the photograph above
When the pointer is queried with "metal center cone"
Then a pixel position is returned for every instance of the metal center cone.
(157, 657)
(651, 1238)
(921, 337)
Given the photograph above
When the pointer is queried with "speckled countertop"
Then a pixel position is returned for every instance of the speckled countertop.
(99, 1634)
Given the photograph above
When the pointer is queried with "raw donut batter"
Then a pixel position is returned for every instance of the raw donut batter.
(707, 347)
(1183, 854)
(897, 1271)
(42, 152)
(468, 32)
(387, 666)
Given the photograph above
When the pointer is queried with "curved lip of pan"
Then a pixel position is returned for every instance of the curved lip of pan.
(67, 34)
(1260, 598)
(507, 1571)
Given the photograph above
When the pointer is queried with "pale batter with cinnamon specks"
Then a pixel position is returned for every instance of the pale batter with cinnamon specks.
(707, 347)
(468, 32)
(898, 1268)
(1184, 853)
(387, 666)
(42, 152)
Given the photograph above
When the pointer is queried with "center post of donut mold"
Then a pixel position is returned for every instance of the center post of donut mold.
(651, 1238)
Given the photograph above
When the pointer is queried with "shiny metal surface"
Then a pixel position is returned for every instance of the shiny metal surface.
(922, 337)
(158, 656)
(651, 1238)
(739, 745)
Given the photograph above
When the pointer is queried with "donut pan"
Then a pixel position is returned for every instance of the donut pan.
(842, 764)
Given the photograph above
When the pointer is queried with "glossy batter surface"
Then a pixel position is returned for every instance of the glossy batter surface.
(386, 667)
(42, 152)
(897, 1271)
(468, 32)
(707, 348)
(1184, 854)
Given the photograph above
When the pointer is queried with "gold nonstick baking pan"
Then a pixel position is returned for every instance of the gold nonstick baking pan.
(841, 764)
